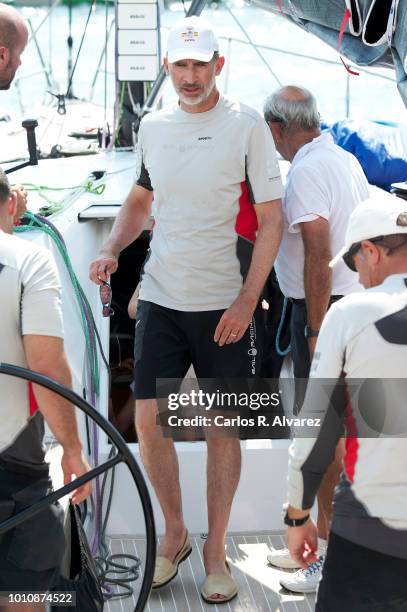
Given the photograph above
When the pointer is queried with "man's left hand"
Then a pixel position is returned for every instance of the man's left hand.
(75, 465)
(21, 196)
(234, 321)
(303, 543)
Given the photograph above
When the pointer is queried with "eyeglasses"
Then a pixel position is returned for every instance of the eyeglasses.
(105, 292)
(271, 119)
(349, 255)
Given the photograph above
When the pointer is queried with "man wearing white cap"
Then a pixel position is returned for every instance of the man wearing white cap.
(324, 184)
(363, 340)
(204, 274)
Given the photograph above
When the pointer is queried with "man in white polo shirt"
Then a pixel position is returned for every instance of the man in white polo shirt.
(203, 276)
(324, 184)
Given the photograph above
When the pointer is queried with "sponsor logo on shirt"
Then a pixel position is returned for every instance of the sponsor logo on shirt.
(205, 138)
(202, 146)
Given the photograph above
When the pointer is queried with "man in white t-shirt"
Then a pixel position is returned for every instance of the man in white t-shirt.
(31, 336)
(324, 184)
(204, 274)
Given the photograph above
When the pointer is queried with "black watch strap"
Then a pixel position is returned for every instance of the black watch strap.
(295, 522)
(310, 333)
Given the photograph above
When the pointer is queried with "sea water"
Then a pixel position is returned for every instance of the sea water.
(246, 76)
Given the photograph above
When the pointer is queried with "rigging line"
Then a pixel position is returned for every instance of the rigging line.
(91, 8)
(34, 33)
(107, 32)
(121, 169)
(263, 59)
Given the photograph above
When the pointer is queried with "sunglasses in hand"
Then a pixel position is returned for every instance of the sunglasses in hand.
(105, 292)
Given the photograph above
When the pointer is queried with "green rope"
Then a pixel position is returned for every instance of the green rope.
(54, 206)
(36, 224)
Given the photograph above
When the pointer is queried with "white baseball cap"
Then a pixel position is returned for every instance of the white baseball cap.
(378, 216)
(192, 38)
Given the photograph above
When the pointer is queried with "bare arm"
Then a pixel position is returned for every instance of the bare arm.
(270, 224)
(129, 224)
(237, 317)
(317, 273)
(45, 355)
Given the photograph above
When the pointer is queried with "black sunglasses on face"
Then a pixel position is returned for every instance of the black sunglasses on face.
(349, 255)
(105, 292)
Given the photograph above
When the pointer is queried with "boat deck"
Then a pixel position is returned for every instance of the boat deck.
(258, 582)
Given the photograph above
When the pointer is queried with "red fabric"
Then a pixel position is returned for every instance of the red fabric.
(346, 17)
(246, 221)
(352, 443)
(31, 400)
(279, 7)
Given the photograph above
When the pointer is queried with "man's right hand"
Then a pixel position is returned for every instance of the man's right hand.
(73, 466)
(21, 197)
(101, 269)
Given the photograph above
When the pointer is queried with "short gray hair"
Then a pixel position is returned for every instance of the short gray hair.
(293, 106)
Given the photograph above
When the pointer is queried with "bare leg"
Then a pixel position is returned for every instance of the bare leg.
(161, 463)
(326, 491)
(223, 473)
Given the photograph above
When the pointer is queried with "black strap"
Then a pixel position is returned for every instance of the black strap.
(302, 301)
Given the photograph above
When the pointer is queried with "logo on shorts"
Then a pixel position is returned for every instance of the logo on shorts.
(252, 350)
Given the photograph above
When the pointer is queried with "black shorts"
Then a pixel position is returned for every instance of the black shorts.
(299, 349)
(168, 342)
(358, 579)
(30, 554)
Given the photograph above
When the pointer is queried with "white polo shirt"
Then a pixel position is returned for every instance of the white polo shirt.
(323, 181)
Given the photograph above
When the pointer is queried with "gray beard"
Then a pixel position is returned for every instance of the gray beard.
(201, 98)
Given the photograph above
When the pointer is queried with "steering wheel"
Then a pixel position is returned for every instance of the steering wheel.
(123, 455)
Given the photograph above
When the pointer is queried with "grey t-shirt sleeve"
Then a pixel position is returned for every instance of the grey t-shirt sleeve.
(262, 170)
(142, 175)
(41, 310)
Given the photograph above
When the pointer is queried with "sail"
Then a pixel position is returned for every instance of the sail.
(367, 32)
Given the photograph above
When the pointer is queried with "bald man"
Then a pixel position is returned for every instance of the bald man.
(324, 185)
(13, 40)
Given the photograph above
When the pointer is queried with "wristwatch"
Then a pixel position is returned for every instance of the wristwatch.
(295, 522)
(310, 333)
